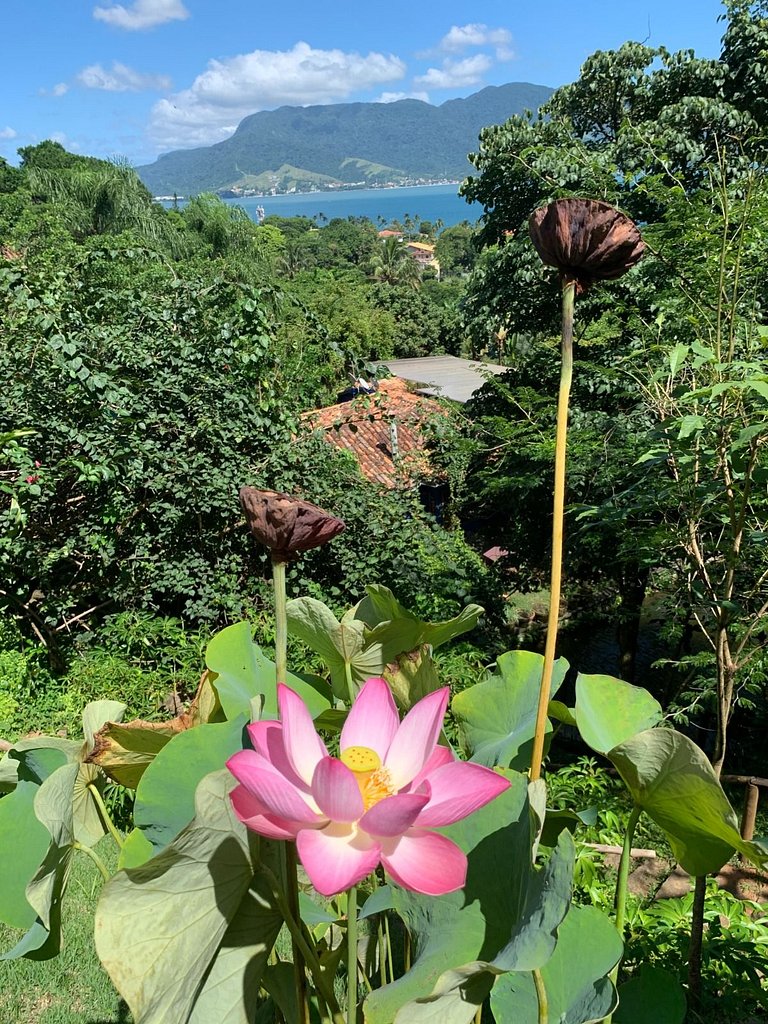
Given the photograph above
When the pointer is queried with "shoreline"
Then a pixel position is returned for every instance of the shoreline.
(225, 194)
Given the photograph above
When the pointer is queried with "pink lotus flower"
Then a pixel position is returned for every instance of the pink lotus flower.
(376, 803)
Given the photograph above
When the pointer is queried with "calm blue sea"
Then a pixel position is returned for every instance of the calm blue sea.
(428, 202)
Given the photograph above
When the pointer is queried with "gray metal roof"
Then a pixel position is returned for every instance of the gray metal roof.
(444, 376)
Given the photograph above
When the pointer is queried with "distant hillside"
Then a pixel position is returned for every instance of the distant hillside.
(344, 143)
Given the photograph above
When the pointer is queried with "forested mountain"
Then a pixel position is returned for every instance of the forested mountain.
(344, 142)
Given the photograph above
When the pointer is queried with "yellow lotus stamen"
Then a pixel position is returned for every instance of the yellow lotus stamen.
(373, 779)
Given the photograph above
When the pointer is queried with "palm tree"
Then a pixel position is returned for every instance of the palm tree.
(96, 197)
(392, 264)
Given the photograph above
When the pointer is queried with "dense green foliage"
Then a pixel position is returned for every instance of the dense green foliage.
(667, 474)
(158, 360)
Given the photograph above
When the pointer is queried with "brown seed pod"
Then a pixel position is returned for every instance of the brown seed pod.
(586, 240)
(287, 525)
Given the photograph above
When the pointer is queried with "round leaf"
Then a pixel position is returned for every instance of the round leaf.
(610, 711)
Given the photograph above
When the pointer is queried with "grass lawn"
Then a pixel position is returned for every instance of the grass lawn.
(73, 988)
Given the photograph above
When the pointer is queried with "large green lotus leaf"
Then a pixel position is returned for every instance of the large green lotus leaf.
(243, 672)
(95, 714)
(185, 937)
(53, 809)
(670, 778)
(497, 718)
(575, 977)
(165, 798)
(610, 711)
(34, 748)
(24, 840)
(412, 676)
(341, 645)
(494, 915)
(653, 996)
(459, 993)
(398, 630)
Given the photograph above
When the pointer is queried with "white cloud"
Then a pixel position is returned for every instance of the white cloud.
(230, 89)
(456, 74)
(8, 133)
(64, 140)
(59, 89)
(461, 37)
(393, 97)
(142, 14)
(120, 78)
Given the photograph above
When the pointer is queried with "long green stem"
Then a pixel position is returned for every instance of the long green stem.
(558, 510)
(622, 886)
(299, 965)
(291, 880)
(623, 879)
(93, 789)
(352, 955)
(281, 621)
(95, 858)
(390, 961)
(541, 997)
(382, 953)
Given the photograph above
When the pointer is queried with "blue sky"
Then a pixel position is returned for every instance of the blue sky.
(141, 77)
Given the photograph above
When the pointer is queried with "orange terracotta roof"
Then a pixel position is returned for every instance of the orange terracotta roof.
(364, 427)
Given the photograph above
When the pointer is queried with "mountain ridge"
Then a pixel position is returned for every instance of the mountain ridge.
(394, 143)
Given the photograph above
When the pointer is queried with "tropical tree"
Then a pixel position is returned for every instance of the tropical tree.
(96, 197)
(676, 141)
(392, 264)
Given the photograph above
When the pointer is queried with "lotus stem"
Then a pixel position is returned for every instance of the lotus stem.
(389, 948)
(622, 885)
(281, 621)
(95, 858)
(382, 954)
(291, 879)
(541, 997)
(299, 964)
(93, 789)
(558, 511)
(352, 955)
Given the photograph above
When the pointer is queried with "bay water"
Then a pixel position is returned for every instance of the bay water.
(380, 205)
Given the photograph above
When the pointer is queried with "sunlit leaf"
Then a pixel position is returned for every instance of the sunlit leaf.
(243, 672)
(671, 779)
(165, 798)
(341, 645)
(24, 840)
(497, 717)
(610, 711)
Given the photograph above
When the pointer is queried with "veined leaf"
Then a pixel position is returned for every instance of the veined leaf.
(171, 964)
